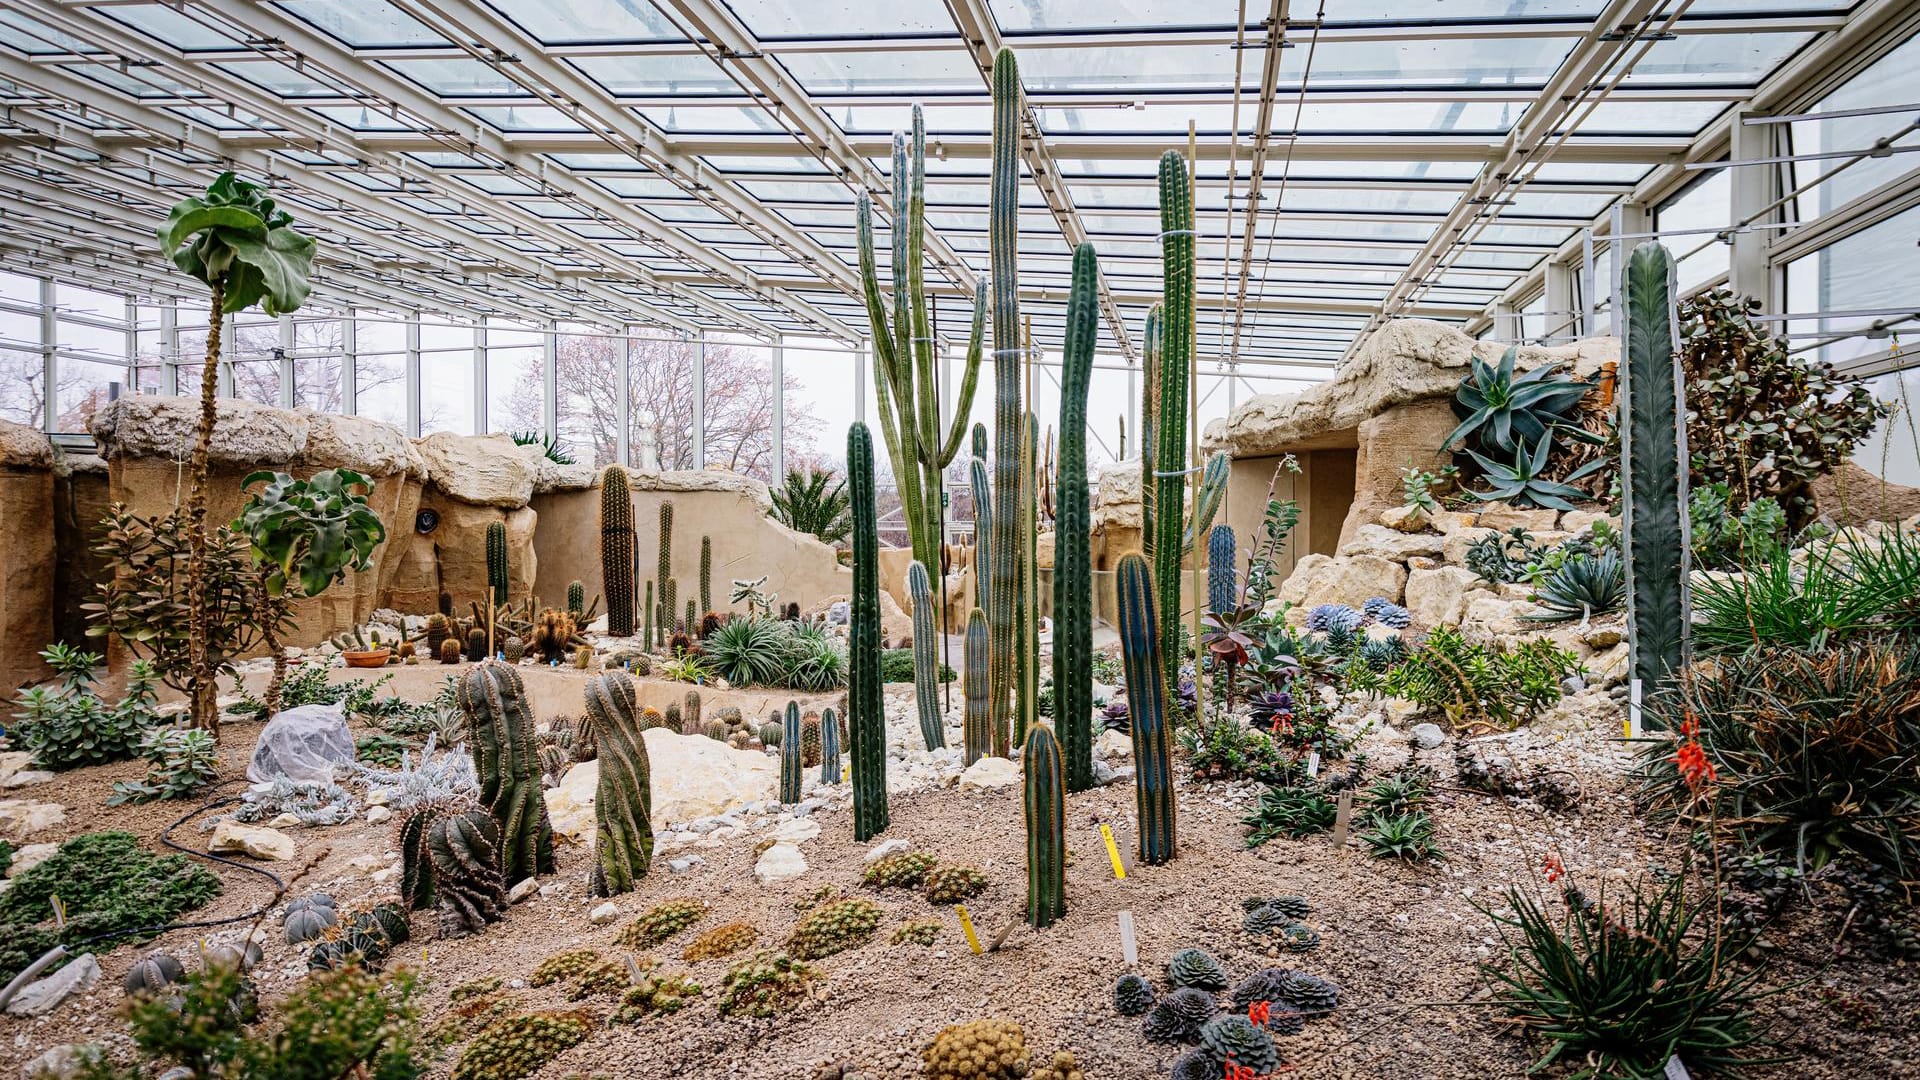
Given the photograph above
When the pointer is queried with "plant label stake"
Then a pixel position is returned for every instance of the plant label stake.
(1113, 852)
(1342, 817)
(1313, 764)
(1676, 1070)
(1129, 948)
(1000, 938)
(966, 924)
(1633, 718)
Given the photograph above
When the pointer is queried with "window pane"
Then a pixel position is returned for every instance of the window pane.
(1893, 78)
(84, 390)
(257, 380)
(75, 300)
(317, 350)
(515, 388)
(1867, 271)
(587, 370)
(22, 390)
(1705, 205)
(660, 385)
(446, 393)
(90, 339)
(380, 388)
(19, 287)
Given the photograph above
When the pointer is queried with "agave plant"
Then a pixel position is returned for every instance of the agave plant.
(1583, 586)
(1522, 482)
(553, 446)
(1509, 414)
(814, 502)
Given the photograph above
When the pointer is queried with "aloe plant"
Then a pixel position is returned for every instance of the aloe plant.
(1581, 587)
(1524, 482)
(1506, 413)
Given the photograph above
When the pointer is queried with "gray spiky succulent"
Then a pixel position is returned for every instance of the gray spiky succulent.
(1293, 907)
(1387, 613)
(1285, 1020)
(1178, 1016)
(1334, 619)
(1132, 995)
(1196, 968)
(1234, 1038)
(312, 803)
(446, 778)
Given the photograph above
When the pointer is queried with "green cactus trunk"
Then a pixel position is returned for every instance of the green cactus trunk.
(829, 747)
(500, 732)
(690, 711)
(790, 756)
(469, 889)
(1149, 402)
(1009, 413)
(416, 860)
(648, 640)
(1222, 597)
(497, 561)
(1206, 500)
(706, 574)
(1170, 412)
(1653, 467)
(623, 801)
(616, 551)
(693, 618)
(982, 533)
(926, 658)
(1072, 561)
(1026, 639)
(663, 574)
(669, 594)
(1147, 696)
(576, 599)
(1045, 803)
(977, 734)
(866, 718)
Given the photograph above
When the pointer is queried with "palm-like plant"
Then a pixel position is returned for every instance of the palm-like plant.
(1506, 413)
(1583, 586)
(1524, 481)
(814, 502)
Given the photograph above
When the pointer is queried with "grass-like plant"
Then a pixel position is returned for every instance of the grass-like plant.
(748, 650)
(684, 668)
(1824, 595)
(814, 661)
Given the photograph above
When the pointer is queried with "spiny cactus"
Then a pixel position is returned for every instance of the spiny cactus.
(1072, 561)
(866, 707)
(439, 628)
(583, 656)
(663, 567)
(829, 748)
(706, 576)
(1005, 607)
(1170, 419)
(690, 710)
(449, 652)
(497, 560)
(669, 593)
(1146, 694)
(691, 622)
(416, 860)
(623, 799)
(519, 1046)
(715, 730)
(661, 922)
(926, 661)
(1653, 450)
(500, 729)
(834, 928)
(673, 723)
(465, 850)
(654, 992)
(1149, 411)
(977, 729)
(790, 751)
(901, 870)
(952, 884)
(1206, 499)
(1045, 809)
(980, 1050)
(765, 985)
(925, 933)
(647, 638)
(721, 941)
(553, 631)
(476, 644)
(513, 650)
(1221, 594)
(577, 599)
(982, 522)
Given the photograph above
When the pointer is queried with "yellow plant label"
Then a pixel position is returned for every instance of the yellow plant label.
(1113, 852)
(966, 924)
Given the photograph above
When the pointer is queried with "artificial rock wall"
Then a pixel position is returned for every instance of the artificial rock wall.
(27, 565)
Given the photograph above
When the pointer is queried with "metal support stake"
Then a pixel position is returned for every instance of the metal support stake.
(779, 410)
(480, 343)
(550, 381)
(623, 404)
(699, 405)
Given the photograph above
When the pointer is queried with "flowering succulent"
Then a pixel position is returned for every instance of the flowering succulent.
(1270, 707)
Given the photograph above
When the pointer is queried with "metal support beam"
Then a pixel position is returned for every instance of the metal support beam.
(700, 401)
(550, 381)
(623, 406)
(1750, 191)
(481, 423)
(779, 410)
(49, 360)
(349, 364)
(411, 366)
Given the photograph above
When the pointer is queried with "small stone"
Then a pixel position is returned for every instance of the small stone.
(253, 841)
(795, 830)
(990, 773)
(366, 864)
(781, 862)
(283, 821)
(45, 995)
(522, 889)
(1405, 518)
(29, 856)
(381, 877)
(549, 890)
(684, 863)
(1427, 736)
(64, 1062)
(24, 817)
(378, 814)
(604, 914)
(1103, 773)
(887, 847)
(1112, 743)
(28, 778)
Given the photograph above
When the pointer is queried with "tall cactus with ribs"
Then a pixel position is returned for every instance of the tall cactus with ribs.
(1149, 403)
(1072, 565)
(663, 573)
(623, 801)
(1170, 413)
(1005, 550)
(904, 353)
(926, 661)
(866, 718)
(977, 733)
(500, 731)
(1044, 803)
(616, 550)
(1147, 694)
(791, 751)
(1222, 596)
(706, 575)
(829, 747)
(497, 561)
(1653, 451)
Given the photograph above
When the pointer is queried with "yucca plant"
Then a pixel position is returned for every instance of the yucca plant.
(1524, 482)
(1507, 413)
(814, 502)
(1583, 586)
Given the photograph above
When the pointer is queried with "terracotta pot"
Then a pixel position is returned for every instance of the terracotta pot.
(370, 658)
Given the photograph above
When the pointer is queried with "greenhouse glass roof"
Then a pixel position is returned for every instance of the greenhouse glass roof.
(695, 163)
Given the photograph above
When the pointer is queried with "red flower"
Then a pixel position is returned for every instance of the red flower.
(1695, 769)
(1553, 868)
(1238, 1072)
(1260, 1012)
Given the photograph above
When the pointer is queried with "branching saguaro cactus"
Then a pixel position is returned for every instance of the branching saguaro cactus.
(1653, 451)
(904, 354)
(706, 574)
(978, 725)
(926, 660)
(497, 561)
(469, 890)
(791, 761)
(866, 717)
(1072, 561)
(1147, 696)
(616, 551)
(1170, 416)
(1045, 804)
(829, 747)
(1009, 412)
(500, 731)
(623, 800)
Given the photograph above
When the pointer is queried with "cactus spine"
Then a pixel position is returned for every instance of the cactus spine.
(1653, 452)
(468, 889)
(866, 721)
(1045, 803)
(1149, 403)
(926, 662)
(497, 560)
(1072, 563)
(829, 747)
(1220, 556)
(1009, 414)
(1147, 694)
(616, 551)
(706, 575)
(904, 354)
(623, 801)
(500, 731)
(790, 756)
(1170, 414)
(978, 733)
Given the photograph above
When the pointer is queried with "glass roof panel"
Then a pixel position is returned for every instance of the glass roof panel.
(826, 18)
(457, 78)
(688, 119)
(1512, 61)
(1041, 15)
(363, 24)
(36, 38)
(1159, 67)
(170, 27)
(911, 71)
(277, 78)
(656, 73)
(1738, 59)
(588, 20)
(526, 118)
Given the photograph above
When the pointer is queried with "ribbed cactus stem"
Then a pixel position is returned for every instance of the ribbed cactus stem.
(1026, 637)
(669, 595)
(500, 731)
(1653, 452)
(866, 717)
(1072, 561)
(1170, 413)
(829, 747)
(1009, 412)
(706, 574)
(791, 761)
(1044, 801)
(977, 729)
(648, 640)
(416, 861)
(1206, 500)
(623, 801)
(982, 531)
(1149, 403)
(576, 599)
(926, 659)
(1221, 597)
(468, 887)
(1147, 697)
(692, 622)
(497, 561)
(616, 551)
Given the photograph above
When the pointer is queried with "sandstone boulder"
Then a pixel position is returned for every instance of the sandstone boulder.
(1579, 521)
(1409, 519)
(1117, 500)
(1459, 540)
(1438, 597)
(245, 433)
(781, 862)
(1504, 516)
(256, 842)
(31, 566)
(484, 470)
(1392, 543)
(693, 777)
(990, 774)
(368, 447)
(1346, 579)
(42, 996)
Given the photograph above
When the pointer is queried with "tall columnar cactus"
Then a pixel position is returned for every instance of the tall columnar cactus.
(1653, 452)
(690, 711)
(577, 599)
(904, 355)
(1221, 594)
(982, 532)
(1206, 500)
(500, 732)
(791, 761)
(623, 801)
(977, 735)
(669, 595)
(468, 888)
(497, 561)
(616, 551)
(647, 640)
(926, 659)
(692, 622)
(1147, 696)
(706, 574)
(1009, 412)
(1045, 804)
(1072, 562)
(1170, 413)
(829, 747)
(663, 571)
(1026, 636)
(1149, 403)
(866, 716)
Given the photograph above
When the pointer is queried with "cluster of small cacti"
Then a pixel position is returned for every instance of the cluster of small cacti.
(766, 984)
(902, 870)
(834, 928)
(661, 922)
(476, 1005)
(564, 966)
(979, 1050)
(952, 884)
(309, 918)
(654, 992)
(521, 1045)
(553, 633)
(363, 940)
(917, 933)
(722, 941)
(1064, 1066)
(468, 887)
(508, 766)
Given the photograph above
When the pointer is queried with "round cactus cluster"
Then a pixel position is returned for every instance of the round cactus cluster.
(905, 870)
(917, 933)
(1292, 907)
(521, 1045)
(1196, 968)
(765, 984)
(1064, 1066)
(661, 922)
(1334, 619)
(722, 941)
(834, 928)
(563, 966)
(980, 1050)
(952, 884)
(1132, 995)
(654, 993)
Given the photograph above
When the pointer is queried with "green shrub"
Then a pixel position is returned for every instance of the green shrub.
(107, 883)
(180, 761)
(1724, 538)
(308, 685)
(69, 726)
(1467, 683)
(1815, 598)
(896, 665)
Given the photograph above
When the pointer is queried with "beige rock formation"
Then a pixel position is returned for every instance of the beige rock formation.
(27, 533)
(1851, 495)
(484, 470)
(692, 776)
